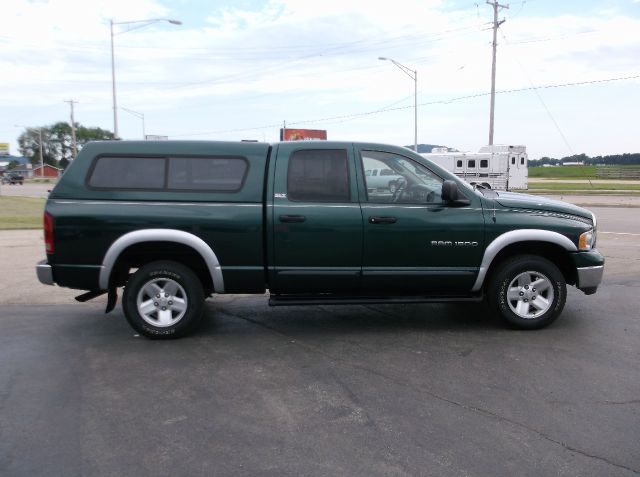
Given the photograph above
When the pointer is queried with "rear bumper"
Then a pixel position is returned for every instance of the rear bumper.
(45, 273)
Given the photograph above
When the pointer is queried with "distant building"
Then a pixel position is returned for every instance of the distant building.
(25, 170)
(50, 172)
(6, 159)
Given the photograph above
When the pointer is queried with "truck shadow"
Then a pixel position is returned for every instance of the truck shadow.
(348, 319)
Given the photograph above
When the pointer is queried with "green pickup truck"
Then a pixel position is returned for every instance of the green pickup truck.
(177, 221)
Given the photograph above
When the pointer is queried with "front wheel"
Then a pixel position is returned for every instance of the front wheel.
(528, 292)
(163, 300)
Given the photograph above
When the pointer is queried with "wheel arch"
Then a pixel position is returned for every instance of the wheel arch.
(551, 245)
(186, 240)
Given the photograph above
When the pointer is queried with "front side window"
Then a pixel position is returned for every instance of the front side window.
(408, 182)
(319, 175)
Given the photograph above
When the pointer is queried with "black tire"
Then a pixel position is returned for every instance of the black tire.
(174, 310)
(526, 307)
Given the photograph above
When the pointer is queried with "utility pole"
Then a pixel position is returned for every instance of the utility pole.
(496, 7)
(73, 129)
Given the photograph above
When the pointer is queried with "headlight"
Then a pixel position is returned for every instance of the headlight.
(587, 240)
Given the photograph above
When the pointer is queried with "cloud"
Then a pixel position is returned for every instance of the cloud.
(241, 67)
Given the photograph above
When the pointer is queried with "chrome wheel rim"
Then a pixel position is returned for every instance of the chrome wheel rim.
(530, 295)
(162, 302)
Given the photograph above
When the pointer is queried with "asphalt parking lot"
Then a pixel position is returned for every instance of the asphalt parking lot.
(350, 390)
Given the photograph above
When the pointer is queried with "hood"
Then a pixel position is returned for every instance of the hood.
(534, 202)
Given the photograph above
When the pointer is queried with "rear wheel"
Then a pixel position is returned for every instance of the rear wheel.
(528, 291)
(163, 300)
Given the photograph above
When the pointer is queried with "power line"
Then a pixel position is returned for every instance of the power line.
(544, 104)
(399, 108)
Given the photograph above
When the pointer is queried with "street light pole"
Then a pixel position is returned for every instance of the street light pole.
(113, 61)
(413, 74)
(113, 85)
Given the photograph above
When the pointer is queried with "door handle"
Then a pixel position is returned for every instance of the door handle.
(382, 220)
(292, 218)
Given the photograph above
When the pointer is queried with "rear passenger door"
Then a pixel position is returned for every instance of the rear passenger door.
(316, 221)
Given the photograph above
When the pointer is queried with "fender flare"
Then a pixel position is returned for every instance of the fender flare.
(515, 236)
(161, 235)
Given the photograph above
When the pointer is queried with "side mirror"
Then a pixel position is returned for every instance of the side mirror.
(450, 194)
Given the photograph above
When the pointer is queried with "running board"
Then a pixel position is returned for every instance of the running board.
(290, 300)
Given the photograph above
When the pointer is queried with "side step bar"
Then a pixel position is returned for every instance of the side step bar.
(290, 300)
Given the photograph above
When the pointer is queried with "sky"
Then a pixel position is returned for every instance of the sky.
(568, 72)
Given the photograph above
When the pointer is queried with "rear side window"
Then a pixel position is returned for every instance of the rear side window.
(220, 174)
(128, 173)
(318, 176)
(216, 174)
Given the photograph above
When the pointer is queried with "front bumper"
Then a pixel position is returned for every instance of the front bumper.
(589, 270)
(45, 273)
(589, 277)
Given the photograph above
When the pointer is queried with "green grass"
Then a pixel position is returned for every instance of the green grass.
(20, 213)
(563, 172)
(583, 186)
(569, 172)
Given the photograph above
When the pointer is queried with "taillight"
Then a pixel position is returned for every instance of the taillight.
(48, 232)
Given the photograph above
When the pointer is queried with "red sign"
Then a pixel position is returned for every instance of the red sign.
(303, 134)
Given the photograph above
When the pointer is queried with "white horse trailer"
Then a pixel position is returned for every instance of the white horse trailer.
(500, 167)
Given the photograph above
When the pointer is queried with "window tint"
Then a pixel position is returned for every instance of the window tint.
(484, 163)
(215, 174)
(318, 176)
(409, 183)
(471, 163)
(128, 173)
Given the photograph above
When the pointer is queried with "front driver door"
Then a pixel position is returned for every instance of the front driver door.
(413, 242)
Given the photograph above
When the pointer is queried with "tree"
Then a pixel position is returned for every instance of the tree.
(57, 142)
(29, 146)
